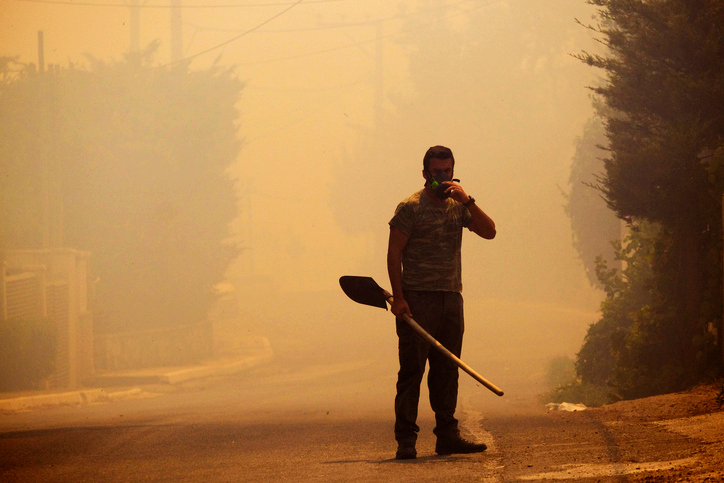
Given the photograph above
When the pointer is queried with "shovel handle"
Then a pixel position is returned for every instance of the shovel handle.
(434, 342)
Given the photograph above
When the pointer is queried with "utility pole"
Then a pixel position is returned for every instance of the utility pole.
(379, 74)
(41, 52)
(176, 31)
(134, 21)
(45, 175)
(52, 199)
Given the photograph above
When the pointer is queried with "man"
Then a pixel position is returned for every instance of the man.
(424, 265)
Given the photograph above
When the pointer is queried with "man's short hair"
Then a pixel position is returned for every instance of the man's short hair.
(437, 152)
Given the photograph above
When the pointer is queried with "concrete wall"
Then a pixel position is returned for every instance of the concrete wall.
(171, 346)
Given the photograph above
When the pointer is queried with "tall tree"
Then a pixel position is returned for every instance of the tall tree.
(665, 88)
(594, 227)
(136, 157)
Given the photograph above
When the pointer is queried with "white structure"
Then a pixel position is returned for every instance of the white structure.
(54, 284)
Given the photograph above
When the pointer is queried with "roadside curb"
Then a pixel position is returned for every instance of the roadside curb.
(222, 369)
(219, 367)
(71, 398)
(100, 385)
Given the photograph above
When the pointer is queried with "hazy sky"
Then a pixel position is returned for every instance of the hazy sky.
(310, 70)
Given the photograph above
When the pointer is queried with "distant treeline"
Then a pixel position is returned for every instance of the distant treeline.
(127, 160)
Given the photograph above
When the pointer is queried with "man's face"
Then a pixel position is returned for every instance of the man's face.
(438, 167)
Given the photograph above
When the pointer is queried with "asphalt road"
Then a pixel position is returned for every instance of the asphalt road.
(285, 421)
(294, 421)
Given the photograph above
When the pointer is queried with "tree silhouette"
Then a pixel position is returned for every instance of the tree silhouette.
(136, 157)
(665, 91)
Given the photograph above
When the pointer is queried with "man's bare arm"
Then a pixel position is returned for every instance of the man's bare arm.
(482, 224)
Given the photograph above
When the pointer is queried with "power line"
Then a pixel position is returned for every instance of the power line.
(274, 17)
(343, 47)
(368, 41)
(336, 26)
(233, 39)
(125, 5)
(339, 25)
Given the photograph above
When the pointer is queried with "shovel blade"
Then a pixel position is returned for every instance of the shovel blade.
(364, 290)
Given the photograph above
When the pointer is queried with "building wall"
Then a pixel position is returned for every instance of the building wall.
(54, 284)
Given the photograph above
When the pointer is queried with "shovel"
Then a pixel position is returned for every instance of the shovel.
(364, 290)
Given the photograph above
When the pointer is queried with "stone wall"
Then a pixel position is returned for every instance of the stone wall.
(170, 346)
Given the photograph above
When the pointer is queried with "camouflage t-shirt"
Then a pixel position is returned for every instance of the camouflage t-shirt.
(431, 258)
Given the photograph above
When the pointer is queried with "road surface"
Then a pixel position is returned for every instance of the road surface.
(325, 421)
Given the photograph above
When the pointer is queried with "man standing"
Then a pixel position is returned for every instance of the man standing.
(424, 265)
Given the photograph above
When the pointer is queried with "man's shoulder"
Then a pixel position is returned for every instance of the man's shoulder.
(406, 213)
(414, 197)
(412, 200)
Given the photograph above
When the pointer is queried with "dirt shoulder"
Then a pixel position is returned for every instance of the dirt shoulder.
(694, 414)
(700, 400)
(673, 437)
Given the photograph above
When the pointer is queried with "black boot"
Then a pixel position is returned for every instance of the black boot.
(456, 444)
(406, 451)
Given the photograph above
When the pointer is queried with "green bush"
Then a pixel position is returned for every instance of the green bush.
(645, 343)
(565, 386)
(27, 353)
(559, 371)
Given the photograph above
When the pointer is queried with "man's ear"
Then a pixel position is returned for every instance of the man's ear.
(427, 176)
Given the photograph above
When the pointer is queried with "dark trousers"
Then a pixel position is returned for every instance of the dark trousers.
(441, 315)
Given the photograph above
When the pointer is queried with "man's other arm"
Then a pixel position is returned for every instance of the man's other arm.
(397, 243)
